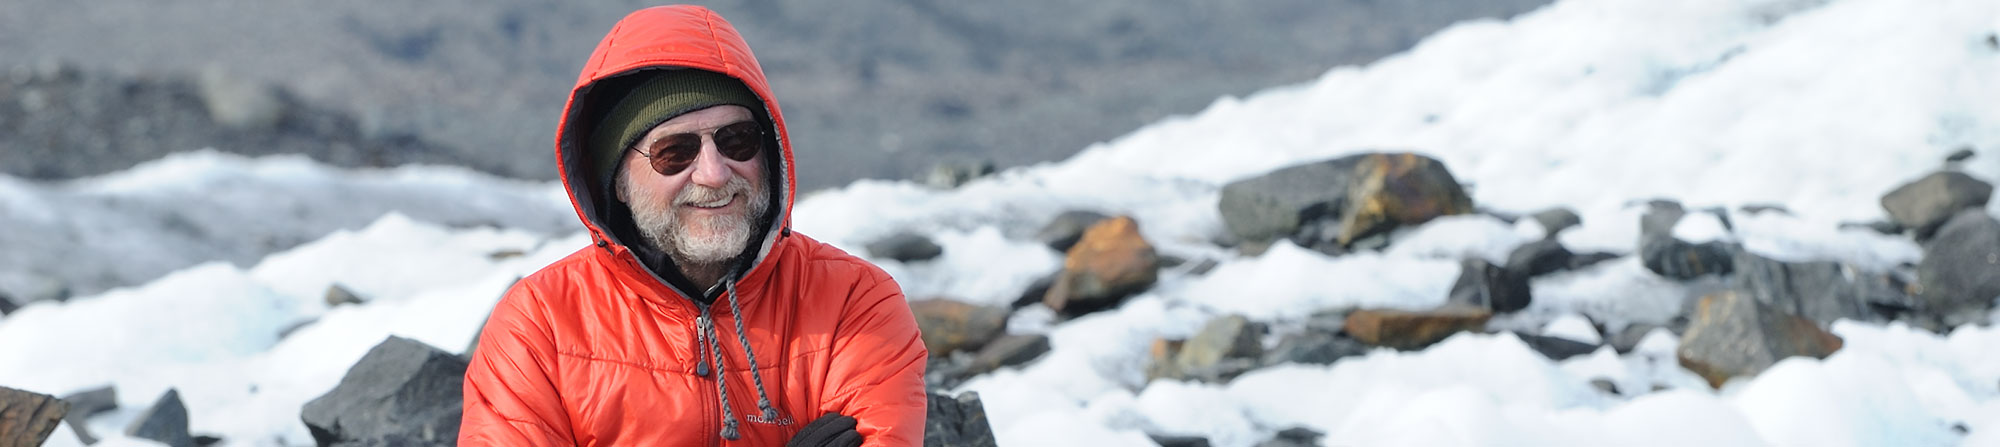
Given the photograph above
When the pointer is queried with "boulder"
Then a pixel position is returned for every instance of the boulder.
(1660, 218)
(1313, 348)
(337, 295)
(1926, 203)
(1398, 189)
(1677, 259)
(87, 403)
(1819, 291)
(403, 392)
(905, 247)
(1062, 232)
(27, 418)
(1112, 261)
(1539, 258)
(1556, 348)
(950, 326)
(1731, 335)
(166, 421)
(957, 422)
(1413, 330)
(1209, 354)
(1277, 204)
(1960, 274)
(952, 175)
(1555, 220)
(1035, 292)
(1487, 286)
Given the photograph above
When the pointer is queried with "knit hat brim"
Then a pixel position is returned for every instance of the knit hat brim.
(667, 94)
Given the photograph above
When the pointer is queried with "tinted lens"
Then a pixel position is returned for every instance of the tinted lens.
(675, 153)
(739, 141)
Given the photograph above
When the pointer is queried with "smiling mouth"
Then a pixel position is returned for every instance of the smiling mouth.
(716, 204)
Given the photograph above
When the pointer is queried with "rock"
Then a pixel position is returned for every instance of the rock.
(337, 295)
(1413, 330)
(1539, 258)
(1926, 203)
(1111, 261)
(1879, 226)
(1162, 353)
(1659, 219)
(1629, 338)
(1819, 291)
(206, 440)
(1731, 335)
(1486, 286)
(1294, 437)
(1677, 259)
(1329, 321)
(950, 175)
(1392, 190)
(240, 103)
(957, 422)
(1277, 204)
(1011, 350)
(1555, 220)
(1556, 348)
(87, 403)
(1755, 209)
(1580, 261)
(7, 304)
(1960, 273)
(1313, 348)
(905, 247)
(949, 326)
(1605, 385)
(403, 392)
(1223, 338)
(1035, 291)
(1963, 153)
(26, 418)
(1062, 232)
(1178, 441)
(1203, 266)
(166, 421)
(294, 327)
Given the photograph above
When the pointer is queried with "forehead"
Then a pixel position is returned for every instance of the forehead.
(703, 119)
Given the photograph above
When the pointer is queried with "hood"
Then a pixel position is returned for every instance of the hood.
(665, 38)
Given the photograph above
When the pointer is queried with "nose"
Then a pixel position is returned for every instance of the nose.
(709, 168)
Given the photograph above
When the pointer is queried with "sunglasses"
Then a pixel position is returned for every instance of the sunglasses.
(675, 153)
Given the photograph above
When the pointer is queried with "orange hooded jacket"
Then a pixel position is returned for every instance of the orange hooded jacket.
(598, 350)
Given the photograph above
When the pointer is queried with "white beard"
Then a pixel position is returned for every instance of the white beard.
(699, 244)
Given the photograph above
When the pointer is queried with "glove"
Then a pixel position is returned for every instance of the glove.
(831, 430)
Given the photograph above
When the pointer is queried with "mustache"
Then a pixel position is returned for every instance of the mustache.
(693, 194)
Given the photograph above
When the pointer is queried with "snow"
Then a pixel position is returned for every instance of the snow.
(1594, 105)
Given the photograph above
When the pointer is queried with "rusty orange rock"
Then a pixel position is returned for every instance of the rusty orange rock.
(1397, 189)
(1111, 262)
(1413, 329)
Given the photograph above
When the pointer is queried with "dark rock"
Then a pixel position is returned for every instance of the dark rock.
(1294, 437)
(1313, 348)
(957, 422)
(294, 327)
(1556, 348)
(7, 304)
(1928, 202)
(1735, 336)
(1222, 371)
(1011, 350)
(1178, 441)
(166, 421)
(1539, 258)
(1413, 330)
(1035, 291)
(1677, 259)
(1879, 226)
(1112, 261)
(337, 295)
(1629, 338)
(403, 392)
(1277, 204)
(905, 247)
(26, 418)
(949, 326)
(1329, 321)
(1721, 216)
(1062, 232)
(1390, 190)
(1580, 261)
(1819, 291)
(1659, 219)
(1555, 220)
(1224, 338)
(952, 175)
(1754, 209)
(1486, 286)
(207, 440)
(1203, 267)
(1605, 385)
(1960, 273)
(1963, 153)
(87, 403)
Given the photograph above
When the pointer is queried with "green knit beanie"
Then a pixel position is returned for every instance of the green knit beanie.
(664, 96)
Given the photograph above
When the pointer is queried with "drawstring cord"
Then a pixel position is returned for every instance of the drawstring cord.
(707, 334)
(756, 374)
(709, 340)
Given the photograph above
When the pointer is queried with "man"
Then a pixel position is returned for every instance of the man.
(698, 317)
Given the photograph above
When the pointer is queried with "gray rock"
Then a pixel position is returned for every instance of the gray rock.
(166, 421)
(948, 326)
(1677, 259)
(1580, 261)
(905, 247)
(1011, 350)
(1879, 226)
(27, 418)
(1277, 204)
(1224, 338)
(1555, 220)
(1178, 441)
(337, 295)
(1035, 291)
(1556, 348)
(1659, 219)
(1294, 437)
(950, 175)
(1625, 340)
(1062, 232)
(1392, 190)
(1754, 209)
(957, 422)
(1604, 385)
(1539, 258)
(1960, 274)
(1926, 203)
(1963, 153)
(206, 440)
(1486, 286)
(87, 403)
(7, 304)
(403, 392)
(1329, 320)
(1735, 336)
(1313, 348)
(1819, 291)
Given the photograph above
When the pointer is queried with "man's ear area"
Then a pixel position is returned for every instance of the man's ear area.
(618, 182)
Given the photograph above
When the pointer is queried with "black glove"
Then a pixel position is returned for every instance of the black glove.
(831, 430)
